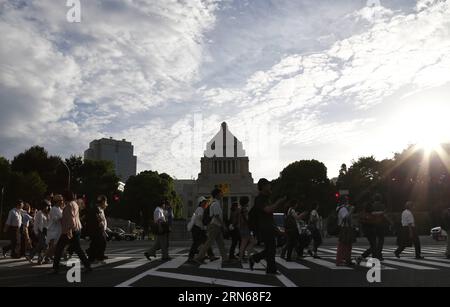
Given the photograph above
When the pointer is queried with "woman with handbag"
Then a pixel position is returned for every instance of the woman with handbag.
(346, 235)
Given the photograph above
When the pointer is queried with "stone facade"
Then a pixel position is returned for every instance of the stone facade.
(224, 164)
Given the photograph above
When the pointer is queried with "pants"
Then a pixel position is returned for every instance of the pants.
(370, 233)
(448, 244)
(379, 234)
(76, 247)
(292, 242)
(317, 238)
(247, 242)
(12, 236)
(269, 252)
(214, 234)
(235, 241)
(415, 241)
(40, 246)
(161, 243)
(97, 246)
(199, 237)
(344, 253)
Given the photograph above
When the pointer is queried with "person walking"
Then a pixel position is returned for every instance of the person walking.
(380, 225)
(12, 229)
(315, 227)
(248, 240)
(408, 233)
(234, 230)
(367, 222)
(24, 248)
(54, 226)
(346, 235)
(198, 230)
(97, 225)
(70, 233)
(265, 225)
(215, 230)
(292, 233)
(40, 231)
(161, 231)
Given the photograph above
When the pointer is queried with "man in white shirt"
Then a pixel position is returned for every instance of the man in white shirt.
(408, 232)
(215, 228)
(12, 228)
(161, 230)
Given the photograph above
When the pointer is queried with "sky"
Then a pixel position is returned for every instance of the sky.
(294, 79)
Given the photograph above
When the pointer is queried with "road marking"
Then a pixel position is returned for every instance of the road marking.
(438, 259)
(207, 280)
(174, 263)
(325, 250)
(132, 251)
(327, 264)
(212, 265)
(439, 264)
(2, 261)
(290, 265)
(286, 281)
(407, 265)
(383, 267)
(133, 265)
(257, 266)
(109, 261)
(245, 271)
(17, 264)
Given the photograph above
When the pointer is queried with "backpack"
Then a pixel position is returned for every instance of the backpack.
(332, 224)
(253, 219)
(206, 219)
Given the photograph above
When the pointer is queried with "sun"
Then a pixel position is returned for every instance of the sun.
(426, 124)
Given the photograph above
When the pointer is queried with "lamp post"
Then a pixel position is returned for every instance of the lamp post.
(68, 171)
(1, 208)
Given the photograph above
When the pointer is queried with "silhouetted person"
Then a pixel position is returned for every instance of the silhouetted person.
(408, 232)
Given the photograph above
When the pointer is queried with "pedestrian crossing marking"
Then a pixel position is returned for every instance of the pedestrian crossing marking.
(134, 264)
(325, 263)
(407, 265)
(290, 265)
(424, 261)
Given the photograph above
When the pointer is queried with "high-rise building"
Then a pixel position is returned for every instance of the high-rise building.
(118, 152)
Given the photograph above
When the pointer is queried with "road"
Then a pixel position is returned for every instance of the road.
(126, 267)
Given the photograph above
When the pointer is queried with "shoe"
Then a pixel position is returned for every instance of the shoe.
(29, 259)
(310, 253)
(211, 259)
(199, 262)
(147, 255)
(420, 257)
(397, 255)
(251, 262)
(358, 260)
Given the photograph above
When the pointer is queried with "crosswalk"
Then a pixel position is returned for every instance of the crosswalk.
(122, 259)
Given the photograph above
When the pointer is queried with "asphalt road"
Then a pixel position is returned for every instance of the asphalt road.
(127, 267)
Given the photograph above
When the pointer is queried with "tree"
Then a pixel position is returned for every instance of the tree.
(146, 191)
(306, 181)
(49, 168)
(28, 187)
(5, 171)
(94, 178)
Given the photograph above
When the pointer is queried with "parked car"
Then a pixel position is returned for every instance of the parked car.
(119, 234)
(438, 234)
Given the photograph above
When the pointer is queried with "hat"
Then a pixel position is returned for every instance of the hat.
(201, 199)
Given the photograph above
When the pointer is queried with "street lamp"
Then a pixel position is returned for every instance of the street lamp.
(68, 171)
(1, 208)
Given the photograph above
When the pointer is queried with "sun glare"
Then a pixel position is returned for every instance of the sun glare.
(427, 124)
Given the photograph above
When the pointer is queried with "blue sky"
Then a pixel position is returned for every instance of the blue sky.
(331, 80)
